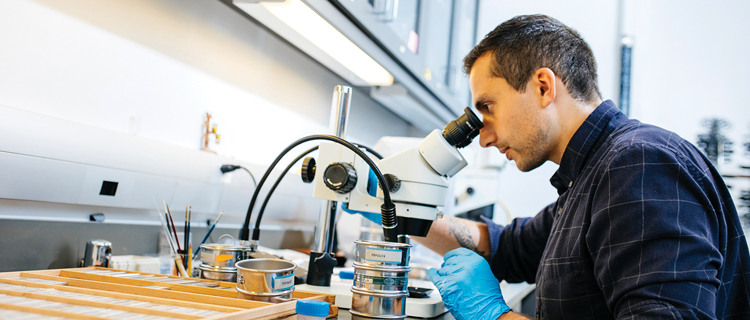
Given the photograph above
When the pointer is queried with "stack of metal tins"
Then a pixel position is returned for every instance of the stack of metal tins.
(381, 276)
(217, 261)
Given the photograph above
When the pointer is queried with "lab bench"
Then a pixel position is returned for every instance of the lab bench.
(102, 293)
(345, 315)
(105, 290)
(519, 297)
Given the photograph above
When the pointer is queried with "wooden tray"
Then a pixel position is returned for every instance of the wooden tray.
(100, 293)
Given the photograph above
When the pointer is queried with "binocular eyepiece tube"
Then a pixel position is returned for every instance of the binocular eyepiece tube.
(460, 132)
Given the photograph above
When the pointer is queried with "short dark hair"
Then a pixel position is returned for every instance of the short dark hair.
(526, 43)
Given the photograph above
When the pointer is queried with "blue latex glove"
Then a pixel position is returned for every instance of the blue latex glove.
(469, 289)
(372, 189)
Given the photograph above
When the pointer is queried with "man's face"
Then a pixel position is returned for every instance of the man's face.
(513, 121)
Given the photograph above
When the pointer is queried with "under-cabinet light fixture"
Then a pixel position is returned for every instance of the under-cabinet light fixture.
(307, 30)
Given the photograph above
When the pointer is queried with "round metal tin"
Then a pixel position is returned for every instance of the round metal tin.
(380, 253)
(386, 279)
(378, 305)
(269, 280)
(221, 255)
(218, 273)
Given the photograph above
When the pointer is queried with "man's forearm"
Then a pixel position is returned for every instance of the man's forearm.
(449, 233)
(513, 316)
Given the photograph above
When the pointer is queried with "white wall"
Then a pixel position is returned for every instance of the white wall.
(153, 68)
(689, 63)
(163, 64)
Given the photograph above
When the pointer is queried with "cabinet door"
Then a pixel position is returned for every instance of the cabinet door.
(428, 37)
(463, 39)
(435, 42)
(449, 32)
(401, 17)
(394, 24)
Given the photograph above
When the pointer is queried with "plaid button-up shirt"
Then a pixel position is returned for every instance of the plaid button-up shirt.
(644, 228)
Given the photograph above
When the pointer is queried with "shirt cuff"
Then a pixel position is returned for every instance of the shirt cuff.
(494, 230)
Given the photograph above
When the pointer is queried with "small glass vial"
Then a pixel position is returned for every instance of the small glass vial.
(312, 310)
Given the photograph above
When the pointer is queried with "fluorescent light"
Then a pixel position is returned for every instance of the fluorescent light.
(306, 22)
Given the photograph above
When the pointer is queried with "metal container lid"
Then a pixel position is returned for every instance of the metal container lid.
(208, 267)
(383, 244)
(266, 265)
(381, 293)
(224, 247)
(380, 268)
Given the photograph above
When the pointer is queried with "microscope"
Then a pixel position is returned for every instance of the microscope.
(412, 183)
(417, 178)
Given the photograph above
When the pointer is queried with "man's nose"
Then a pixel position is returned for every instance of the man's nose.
(486, 137)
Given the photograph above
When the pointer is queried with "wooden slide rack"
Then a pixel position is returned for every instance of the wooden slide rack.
(100, 293)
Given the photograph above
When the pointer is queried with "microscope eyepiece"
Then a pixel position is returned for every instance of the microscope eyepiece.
(461, 131)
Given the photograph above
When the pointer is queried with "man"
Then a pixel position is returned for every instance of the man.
(644, 226)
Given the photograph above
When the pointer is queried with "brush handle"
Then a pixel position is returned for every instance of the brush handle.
(183, 272)
(186, 232)
(204, 240)
(174, 230)
(190, 260)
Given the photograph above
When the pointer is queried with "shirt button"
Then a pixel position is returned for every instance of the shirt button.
(570, 184)
(559, 211)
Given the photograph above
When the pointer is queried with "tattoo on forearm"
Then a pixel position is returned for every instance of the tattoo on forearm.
(463, 235)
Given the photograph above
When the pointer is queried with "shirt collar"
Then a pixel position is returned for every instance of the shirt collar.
(587, 139)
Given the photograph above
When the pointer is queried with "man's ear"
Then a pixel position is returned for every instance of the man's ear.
(543, 84)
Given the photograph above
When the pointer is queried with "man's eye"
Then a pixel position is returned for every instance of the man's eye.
(484, 107)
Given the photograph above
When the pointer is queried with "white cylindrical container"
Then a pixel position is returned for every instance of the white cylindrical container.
(312, 310)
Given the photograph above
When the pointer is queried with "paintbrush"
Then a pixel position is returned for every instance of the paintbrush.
(189, 250)
(172, 245)
(208, 234)
(185, 234)
(178, 261)
(165, 229)
(174, 230)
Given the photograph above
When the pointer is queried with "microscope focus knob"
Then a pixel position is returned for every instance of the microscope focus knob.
(340, 177)
(393, 182)
(308, 170)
